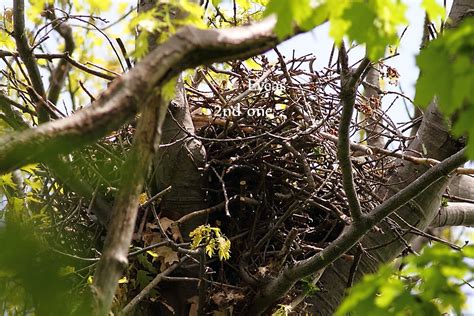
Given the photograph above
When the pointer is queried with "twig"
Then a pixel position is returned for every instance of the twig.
(156, 197)
(224, 191)
(150, 286)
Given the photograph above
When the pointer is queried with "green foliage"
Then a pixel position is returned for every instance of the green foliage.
(447, 72)
(33, 278)
(283, 310)
(429, 285)
(287, 12)
(168, 91)
(309, 288)
(7, 180)
(162, 22)
(372, 22)
(212, 239)
(434, 10)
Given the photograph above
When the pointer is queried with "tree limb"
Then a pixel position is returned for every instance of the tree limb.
(26, 55)
(58, 74)
(455, 214)
(120, 102)
(280, 285)
(349, 84)
(372, 125)
(117, 242)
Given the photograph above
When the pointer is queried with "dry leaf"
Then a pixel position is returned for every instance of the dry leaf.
(194, 301)
(167, 256)
(222, 299)
(166, 223)
(176, 233)
(262, 271)
(150, 237)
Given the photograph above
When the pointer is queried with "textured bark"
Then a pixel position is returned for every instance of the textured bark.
(372, 124)
(179, 166)
(455, 214)
(29, 60)
(462, 187)
(434, 135)
(120, 231)
(118, 104)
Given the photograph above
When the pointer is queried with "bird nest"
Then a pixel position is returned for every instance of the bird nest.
(274, 184)
(271, 141)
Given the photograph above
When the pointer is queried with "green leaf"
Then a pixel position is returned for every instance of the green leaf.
(447, 72)
(141, 45)
(244, 4)
(438, 272)
(6, 41)
(143, 278)
(373, 23)
(7, 180)
(434, 10)
(468, 251)
(63, 271)
(288, 12)
(31, 168)
(463, 125)
(390, 291)
(99, 5)
(168, 91)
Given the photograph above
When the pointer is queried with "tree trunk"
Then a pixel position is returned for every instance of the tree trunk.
(180, 166)
(386, 244)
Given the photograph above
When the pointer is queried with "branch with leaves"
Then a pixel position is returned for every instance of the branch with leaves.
(119, 103)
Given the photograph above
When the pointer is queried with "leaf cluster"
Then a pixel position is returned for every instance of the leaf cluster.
(212, 239)
(447, 72)
(428, 285)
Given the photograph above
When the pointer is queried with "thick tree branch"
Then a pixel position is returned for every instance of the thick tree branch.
(280, 285)
(455, 214)
(11, 116)
(117, 242)
(349, 83)
(26, 55)
(462, 187)
(58, 74)
(372, 124)
(188, 48)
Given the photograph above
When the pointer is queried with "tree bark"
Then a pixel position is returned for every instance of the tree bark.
(372, 123)
(455, 214)
(385, 245)
(179, 165)
(119, 236)
(119, 103)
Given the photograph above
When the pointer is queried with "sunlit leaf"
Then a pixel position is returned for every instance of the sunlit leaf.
(7, 180)
(123, 280)
(288, 12)
(435, 10)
